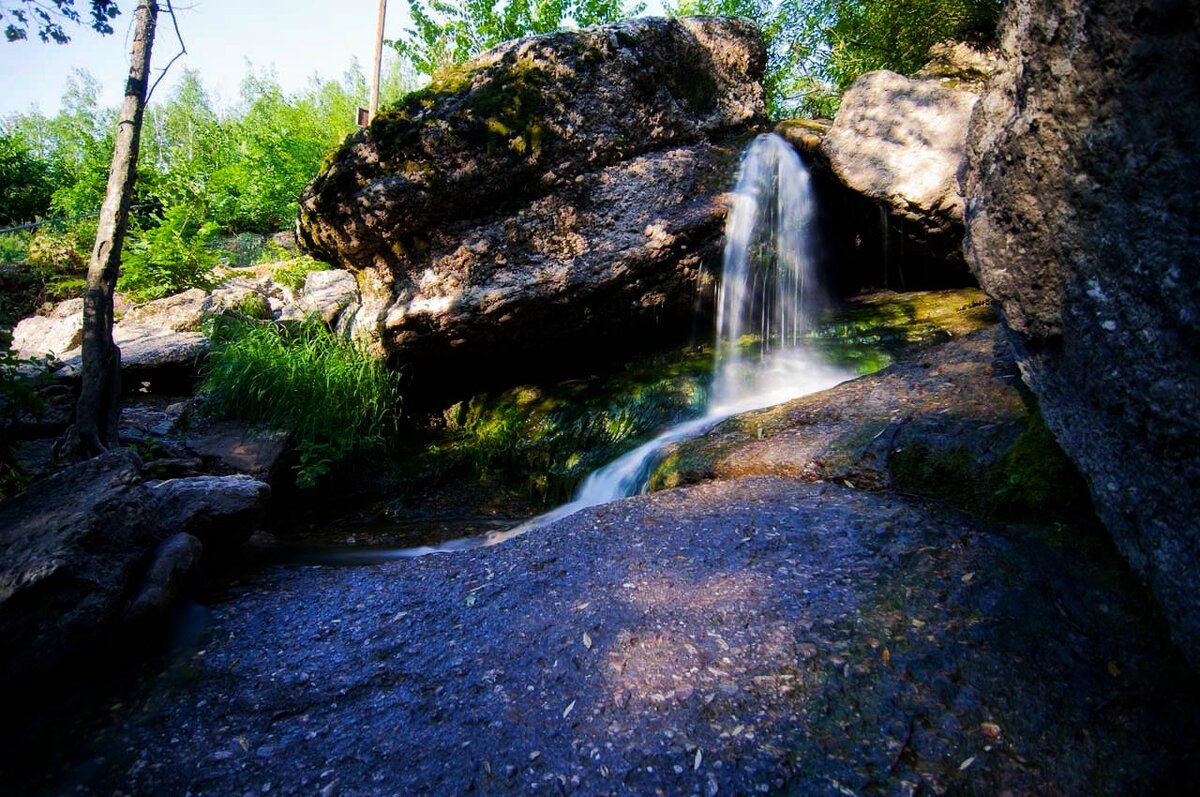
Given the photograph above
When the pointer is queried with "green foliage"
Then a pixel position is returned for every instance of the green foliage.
(445, 33)
(27, 182)
(817, 48)
(254, 306)
(18, 396)
(294, 273)
(48, 16)
(14, 247)
(543, 442)
(335, 397)
(175, 255)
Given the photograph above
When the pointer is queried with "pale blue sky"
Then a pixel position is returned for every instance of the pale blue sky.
(298, 38)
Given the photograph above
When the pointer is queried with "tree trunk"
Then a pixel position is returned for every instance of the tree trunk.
(96, 415)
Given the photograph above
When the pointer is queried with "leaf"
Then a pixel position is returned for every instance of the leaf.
(587, 640)
(887, 656)
(990, 729)
(966, 763)
(966, 579)
(583, 606)
(699, 758)
(570, 707)
(1113, 669)
(470, 600)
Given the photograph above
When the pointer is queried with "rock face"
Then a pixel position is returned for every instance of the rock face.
(1083, 222)
(897, 143)
(74, 549)
(563, 185)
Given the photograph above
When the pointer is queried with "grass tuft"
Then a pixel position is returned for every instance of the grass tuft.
(334, 396)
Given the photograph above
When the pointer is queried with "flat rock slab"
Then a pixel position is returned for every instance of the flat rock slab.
(758, 635)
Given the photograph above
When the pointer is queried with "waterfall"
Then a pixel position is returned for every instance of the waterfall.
(767, 301)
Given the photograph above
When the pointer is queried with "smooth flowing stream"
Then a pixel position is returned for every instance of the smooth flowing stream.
(769, 296)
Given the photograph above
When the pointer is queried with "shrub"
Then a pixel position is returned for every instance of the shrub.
(14, 247)
(336, 397)
(294, 273)
(176, 255)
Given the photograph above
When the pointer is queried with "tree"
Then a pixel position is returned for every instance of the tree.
(48, 15)
(97, 412)
(447, 32)
(817, 48)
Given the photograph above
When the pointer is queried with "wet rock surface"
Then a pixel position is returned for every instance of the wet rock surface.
(1083, 211)
(752, 636)
(957, 408)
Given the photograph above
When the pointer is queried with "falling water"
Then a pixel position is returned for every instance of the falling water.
(768, 297)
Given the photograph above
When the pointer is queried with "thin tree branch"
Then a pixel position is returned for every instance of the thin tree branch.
(182, 52)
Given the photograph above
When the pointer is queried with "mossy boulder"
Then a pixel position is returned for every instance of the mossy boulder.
(555, 191)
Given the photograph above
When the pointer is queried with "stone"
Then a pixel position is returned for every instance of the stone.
(75, 549)
(804, 134)
(53, 335)
(72, 548)
(327, 293)
(181, 312)
(555, 191)
(174, 563)
(897, 143)
(221, 511)
(1083, 205)
(231, 446)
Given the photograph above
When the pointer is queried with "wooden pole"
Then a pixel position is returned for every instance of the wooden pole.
(378, 61)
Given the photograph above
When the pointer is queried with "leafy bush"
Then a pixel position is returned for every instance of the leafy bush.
(336, 397)
(18, 396)
(57, 250)
(172, 257)
(294, 273)
(14, 247)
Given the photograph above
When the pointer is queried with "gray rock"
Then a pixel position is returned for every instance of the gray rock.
(232, 446)
(220, 510)
(620, 249)
(72, 548)
(38, 336)
(182, 312)
(327, 293)
(1082, 217)
(550, 186)
(174, 563)
(899, 142)
(75, 548)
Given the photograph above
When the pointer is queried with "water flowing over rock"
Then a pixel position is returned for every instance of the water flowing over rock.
(1083, 214)
(897, 143)
(556, 190)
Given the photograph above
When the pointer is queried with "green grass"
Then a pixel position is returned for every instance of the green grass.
(335, 397)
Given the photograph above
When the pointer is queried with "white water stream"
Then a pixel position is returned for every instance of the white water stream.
(768, 296)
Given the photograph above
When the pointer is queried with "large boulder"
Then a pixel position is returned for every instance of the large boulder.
(897, 144)
(556, 189)
(1083, 222)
